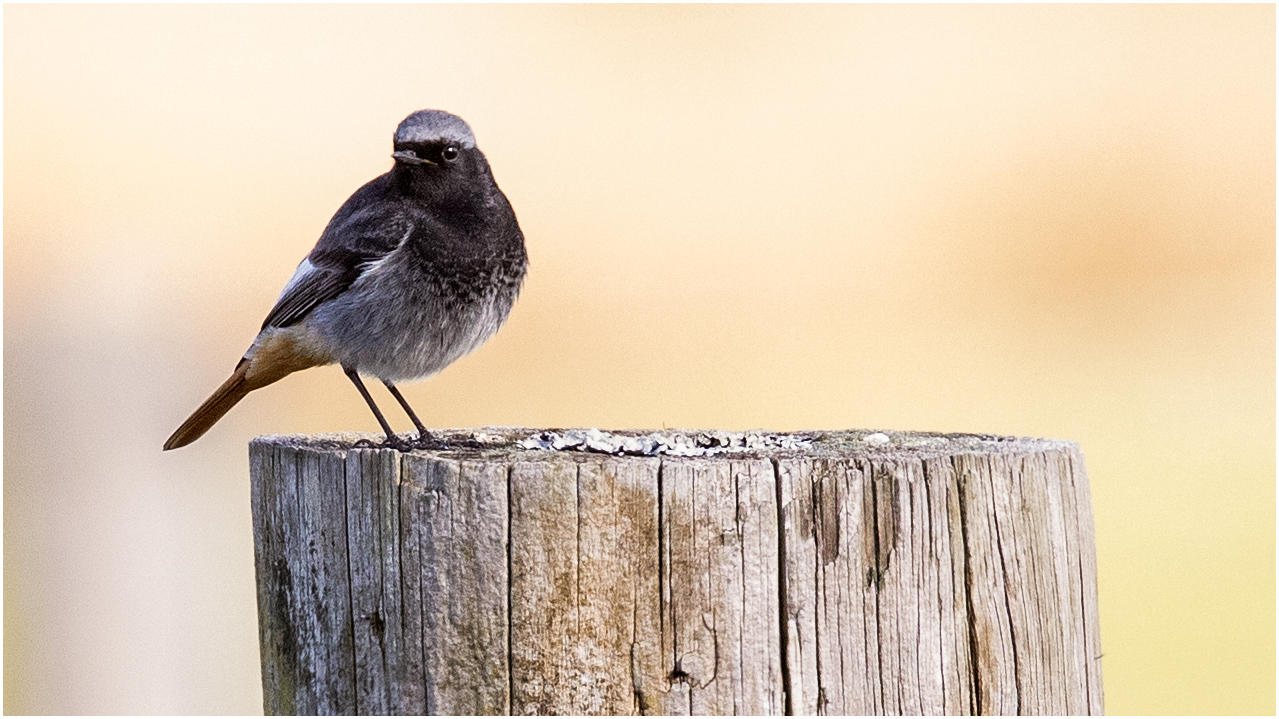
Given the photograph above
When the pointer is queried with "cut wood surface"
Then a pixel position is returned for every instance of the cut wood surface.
(585, 572)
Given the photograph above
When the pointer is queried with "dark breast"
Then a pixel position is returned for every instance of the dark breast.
(471, 254)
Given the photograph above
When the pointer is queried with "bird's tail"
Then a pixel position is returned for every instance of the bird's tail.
(219, 403)
(275, 354)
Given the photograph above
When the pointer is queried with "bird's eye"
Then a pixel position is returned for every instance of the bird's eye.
(450, 153)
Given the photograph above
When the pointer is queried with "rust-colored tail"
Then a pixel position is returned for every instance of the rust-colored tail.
(275, 354)
(219, 403)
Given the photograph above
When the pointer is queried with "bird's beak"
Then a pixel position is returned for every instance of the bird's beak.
(410, 157)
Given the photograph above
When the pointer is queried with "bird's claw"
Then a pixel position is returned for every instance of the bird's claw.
(399, 443)
(393, 442)
(425, 440)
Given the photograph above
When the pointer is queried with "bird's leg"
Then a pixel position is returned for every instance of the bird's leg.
(391, 439)
(422, 435)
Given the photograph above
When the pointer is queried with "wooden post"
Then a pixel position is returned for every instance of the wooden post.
(585, 572)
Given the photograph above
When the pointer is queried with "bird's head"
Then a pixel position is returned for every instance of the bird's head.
(432, 137)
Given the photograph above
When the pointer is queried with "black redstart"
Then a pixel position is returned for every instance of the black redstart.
(419, 267)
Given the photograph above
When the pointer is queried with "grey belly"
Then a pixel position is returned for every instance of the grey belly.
(407, 331)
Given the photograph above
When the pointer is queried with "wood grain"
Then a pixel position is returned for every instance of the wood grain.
(832, 573)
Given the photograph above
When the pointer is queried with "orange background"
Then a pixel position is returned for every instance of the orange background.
(1033, 220)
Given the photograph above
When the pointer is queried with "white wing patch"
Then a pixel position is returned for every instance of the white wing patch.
(304, 270)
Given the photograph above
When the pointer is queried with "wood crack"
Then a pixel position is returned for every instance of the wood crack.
(782, 598)
(1012, 630)
(350, 558)
(977, 705)
(740, 524)
(814, 489)
(880, 567)
(510, 590)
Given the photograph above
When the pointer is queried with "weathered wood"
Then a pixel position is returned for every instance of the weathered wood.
(458, 519)
(585, 599)
(720, 570)
(304, 610)
(714, 573)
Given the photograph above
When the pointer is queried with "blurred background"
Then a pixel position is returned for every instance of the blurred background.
(1054, 221)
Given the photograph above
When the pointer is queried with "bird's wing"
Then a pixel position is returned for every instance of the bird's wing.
(311, 285)
(351, 244)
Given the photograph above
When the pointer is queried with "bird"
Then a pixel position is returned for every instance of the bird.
(419, 267)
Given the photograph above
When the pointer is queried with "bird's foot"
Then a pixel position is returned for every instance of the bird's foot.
(403, 444)
(391, 442)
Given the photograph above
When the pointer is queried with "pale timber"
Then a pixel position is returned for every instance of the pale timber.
(813, 573)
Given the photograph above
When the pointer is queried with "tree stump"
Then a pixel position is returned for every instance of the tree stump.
(584, 572)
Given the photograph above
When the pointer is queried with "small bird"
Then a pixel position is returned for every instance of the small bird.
(418, 268)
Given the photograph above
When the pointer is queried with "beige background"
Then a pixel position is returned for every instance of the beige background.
(1032, 220)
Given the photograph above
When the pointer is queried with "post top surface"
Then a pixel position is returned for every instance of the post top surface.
(532, 444)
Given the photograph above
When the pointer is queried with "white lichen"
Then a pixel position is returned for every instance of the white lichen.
(669, 443)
